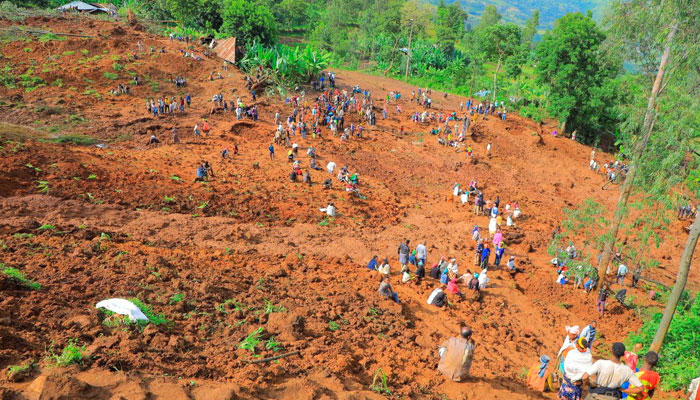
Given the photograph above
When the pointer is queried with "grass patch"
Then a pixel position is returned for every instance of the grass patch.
(117, 67)
(18, 276)
(46, 227)
(333, 326)
(176, 298)
(112, 76)
(155, 319)
(79, 140)
(252, 340)
(19, 368)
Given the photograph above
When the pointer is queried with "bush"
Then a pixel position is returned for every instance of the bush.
(117, 67)
(680, 355)
(73, 139)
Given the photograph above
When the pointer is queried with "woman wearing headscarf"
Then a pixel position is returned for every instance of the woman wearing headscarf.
(572, 333)
(577, 360)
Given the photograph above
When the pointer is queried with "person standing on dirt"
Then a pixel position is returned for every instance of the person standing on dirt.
(485, 253)
(621, 273)
(456, 355)
(271, 148)
(422, 253)
(602, 298)
(610, 375)
(403, 254)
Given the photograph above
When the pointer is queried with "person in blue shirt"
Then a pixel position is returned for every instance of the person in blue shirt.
(485, 253)
(499, 253)
(272, 152)
(372, 263)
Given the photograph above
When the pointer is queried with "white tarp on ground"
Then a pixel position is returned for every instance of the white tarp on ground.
(123, 307)
(82, 6)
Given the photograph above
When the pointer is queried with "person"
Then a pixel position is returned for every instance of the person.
(621, 273)
(422, 253)
(572, 333)
(576, 361)
(610, 375)
(201, 174)
(331, 167)
(456, 355)
(403, 254)
(483, 279)
(540, 376)
(329, 210)
(485, 253)
(176, 135)
(474, 283)
(372, 263)
(271, 148)
(511, 263)
(602, 298)
(153, 140)
(384, 267)
(636, 275)
(420, 272)
(435, 271)
(589, 332)
(499, 253)
(386, 290)
(438, 298)
(405, 276)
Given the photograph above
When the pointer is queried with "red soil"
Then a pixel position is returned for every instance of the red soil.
(253, 236)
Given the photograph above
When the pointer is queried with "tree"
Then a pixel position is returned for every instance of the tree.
(489, 17)
(449, 26)
(530, 28)
(249, 22)
(499, 43)
(574, 65)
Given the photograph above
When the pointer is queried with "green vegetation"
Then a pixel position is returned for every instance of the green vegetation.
(176, 298)
(252, 340)
(71, 354)
(18, 276)
(112, 76)
(45, 227)
(117, 66)
(12, 369)
(79, 140)
(285, 64)
(333, 326)
(681, 352)
(380, 383)
(271, 308)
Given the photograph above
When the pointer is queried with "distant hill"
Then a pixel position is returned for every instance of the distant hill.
(520, 10)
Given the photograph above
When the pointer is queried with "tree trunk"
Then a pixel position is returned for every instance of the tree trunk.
(678, 288)
(649, 119)
(495, 78)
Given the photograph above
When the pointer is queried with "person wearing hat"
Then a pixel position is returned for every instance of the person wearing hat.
(456, 355)
(576, 361)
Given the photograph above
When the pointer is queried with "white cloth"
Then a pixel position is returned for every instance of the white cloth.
(612, 375)
(464, 198)
(433, 294)
(455, 190)
(509, 221)
(493, 227)
(405, 277)
(576, 364)
(516, 213)
(384, 269)
(123, 307)
(483, 279)
(454, 267)
(330, 210)
(330, 167)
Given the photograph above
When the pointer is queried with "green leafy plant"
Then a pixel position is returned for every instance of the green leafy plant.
(117, 67)
(167, 199)
(111, 75)
(92, 176)
(176, 298)
(71, 354)
(333, 326)
(23, 235)
(18, 276)
(252, 340)
(176, 178)
(380, 383)
(273, 345)
(46, 227)
(272, 308)
(43, 186)
(153, 317)
(12, 369)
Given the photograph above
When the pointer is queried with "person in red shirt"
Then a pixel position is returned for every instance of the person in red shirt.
(649, 378)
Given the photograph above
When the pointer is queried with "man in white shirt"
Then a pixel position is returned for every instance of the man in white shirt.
(331, 167)
(421, 252)
(621, 273)
(610, 375)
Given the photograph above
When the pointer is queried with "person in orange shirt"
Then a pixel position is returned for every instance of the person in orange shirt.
(649, 378)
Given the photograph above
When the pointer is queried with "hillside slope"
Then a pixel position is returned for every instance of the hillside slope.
(249, 249)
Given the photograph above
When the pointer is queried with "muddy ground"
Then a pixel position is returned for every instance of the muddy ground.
(251, 249)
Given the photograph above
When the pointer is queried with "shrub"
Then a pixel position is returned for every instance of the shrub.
(681, 349)
(117, 67)
(112, 76)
